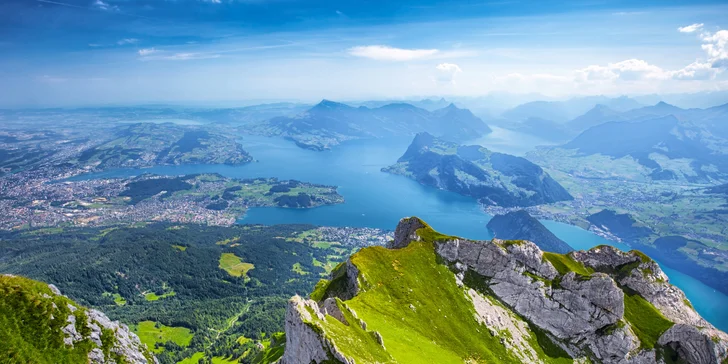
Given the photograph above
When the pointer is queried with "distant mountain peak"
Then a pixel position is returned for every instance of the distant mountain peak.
(326, 105)
(399, 105)
(326, 102)
(423, 138)
(664, 105)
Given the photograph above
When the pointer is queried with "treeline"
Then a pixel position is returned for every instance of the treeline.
(141, 190)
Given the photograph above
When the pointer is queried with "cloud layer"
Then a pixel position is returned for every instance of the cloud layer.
(386, 53)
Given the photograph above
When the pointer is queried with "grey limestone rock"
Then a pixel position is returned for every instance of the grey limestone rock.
(303, 343)
(694, 345)
(126, 344)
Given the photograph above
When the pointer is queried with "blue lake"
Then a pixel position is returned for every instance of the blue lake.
(380, 200)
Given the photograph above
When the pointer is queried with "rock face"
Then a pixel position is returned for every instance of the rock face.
(49, 324)
(306, 345)
(492, 178)
(519, 225)
(600, 306)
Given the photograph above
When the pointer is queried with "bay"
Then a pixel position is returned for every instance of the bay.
(379, 200)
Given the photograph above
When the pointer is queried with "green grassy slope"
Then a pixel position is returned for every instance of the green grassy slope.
(421, 313)
(415, 304)
(31, 321)
(30, 324)
(646, 321)
(413, 301)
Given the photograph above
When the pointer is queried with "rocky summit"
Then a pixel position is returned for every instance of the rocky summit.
(433, 298)
(40, 325)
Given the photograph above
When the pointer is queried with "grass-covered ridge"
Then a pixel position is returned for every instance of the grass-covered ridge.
(30, 324)
(413, 301)
(647, 322)
(32, 319)
(564, 264)
(417, 307)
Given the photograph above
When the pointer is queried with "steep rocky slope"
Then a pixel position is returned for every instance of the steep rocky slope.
(39, 325)
(519, 225)
(431, 298)
(493, 178)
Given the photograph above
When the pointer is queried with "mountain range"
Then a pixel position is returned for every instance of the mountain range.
(329, 123)
(655, 143)
(562, 111)
(562, 121)
(668, 142)
(472, 170)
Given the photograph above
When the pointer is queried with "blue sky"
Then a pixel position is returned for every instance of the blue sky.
(88, 52)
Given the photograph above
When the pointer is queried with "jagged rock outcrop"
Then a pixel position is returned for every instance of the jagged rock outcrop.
(601, 305)
(306, 343)
(694, 345)
(48, 325)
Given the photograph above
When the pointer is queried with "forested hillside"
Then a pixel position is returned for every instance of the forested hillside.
(187, 290)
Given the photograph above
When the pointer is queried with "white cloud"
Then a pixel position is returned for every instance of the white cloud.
(690, 28)
(696, 71)
(147, 51)
(105, 6)
(127, 41)
(627, 70)
(386, 53)
(447, 72)
(716, 47)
